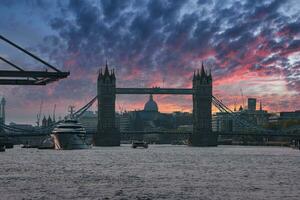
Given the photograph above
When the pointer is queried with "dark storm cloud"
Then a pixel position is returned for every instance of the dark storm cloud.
(112, 9)
(294, 45)
(148, 41)
(160, 33)
(265, 9)
(292, 28)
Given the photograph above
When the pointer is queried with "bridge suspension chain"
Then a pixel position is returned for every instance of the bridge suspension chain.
(82, 110)
(223, 108)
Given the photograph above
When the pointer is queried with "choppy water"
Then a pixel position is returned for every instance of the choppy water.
(159, 172)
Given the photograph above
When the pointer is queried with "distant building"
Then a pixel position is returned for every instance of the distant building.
(139, 120)
(288, 120)
(182, 118)
(151, 119)
(125, 122)
(151, 105)
(224, 122)
(290, 115)
(251, 104)
(28, 127)
(188, 128)
(47, 122)
(89, 120)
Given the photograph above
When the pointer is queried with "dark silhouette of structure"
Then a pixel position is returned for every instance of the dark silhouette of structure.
(19, 76)
(202, 100)
(22, 77)
(107, 133)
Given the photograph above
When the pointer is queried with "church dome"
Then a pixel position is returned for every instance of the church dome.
(151, 105)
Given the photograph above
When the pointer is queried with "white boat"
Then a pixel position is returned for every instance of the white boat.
(69, 135)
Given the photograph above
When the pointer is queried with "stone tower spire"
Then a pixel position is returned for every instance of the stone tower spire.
(202, 74)
(202, 108)
(107, 133)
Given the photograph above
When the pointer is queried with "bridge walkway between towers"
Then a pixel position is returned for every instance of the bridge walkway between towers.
(155, 90)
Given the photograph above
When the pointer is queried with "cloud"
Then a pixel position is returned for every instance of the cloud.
(162, 42)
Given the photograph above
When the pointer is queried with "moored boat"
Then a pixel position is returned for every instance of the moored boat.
(69, 135)
(139, 144)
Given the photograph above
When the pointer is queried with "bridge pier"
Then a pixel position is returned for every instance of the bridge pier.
(109, 137)
(107, 133)
(202, 99)
(203, 140)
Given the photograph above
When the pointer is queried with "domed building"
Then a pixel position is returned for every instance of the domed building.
(147, 119)
(150, 111)
(151, 105)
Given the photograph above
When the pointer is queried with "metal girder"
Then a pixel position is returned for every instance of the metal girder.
(22, 77)
(19, 82)
(11, 64)
(30, 77)
(28, 53)
(156, 90)
(36, 74)
(44, 81)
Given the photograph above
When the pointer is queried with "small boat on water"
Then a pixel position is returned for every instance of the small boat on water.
(69, 135)
(139, 144)
(29, 146)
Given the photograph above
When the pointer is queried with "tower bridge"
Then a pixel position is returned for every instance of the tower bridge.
(108, 135)
(202, 135)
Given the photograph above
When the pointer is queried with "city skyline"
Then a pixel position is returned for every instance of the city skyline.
(253, 46)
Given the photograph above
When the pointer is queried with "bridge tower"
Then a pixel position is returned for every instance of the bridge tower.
(202, 106)
(107, 133)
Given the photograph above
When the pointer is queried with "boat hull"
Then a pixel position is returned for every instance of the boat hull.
(139, 144)
(67, 141)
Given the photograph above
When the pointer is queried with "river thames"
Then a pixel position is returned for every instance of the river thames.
(159, 172)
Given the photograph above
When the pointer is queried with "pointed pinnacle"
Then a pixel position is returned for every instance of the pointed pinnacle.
(202, 70)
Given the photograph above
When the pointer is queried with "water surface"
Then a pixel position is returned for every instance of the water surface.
(159, 172)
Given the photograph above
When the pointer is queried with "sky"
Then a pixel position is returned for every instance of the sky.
(251, 46)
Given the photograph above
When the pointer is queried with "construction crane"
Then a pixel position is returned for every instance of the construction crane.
(21, 77)
(53, 115)
(38, 116)
(243, 101)
(71, 111)
(234, 109)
